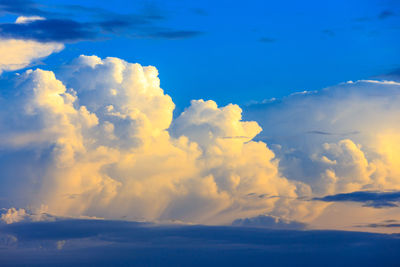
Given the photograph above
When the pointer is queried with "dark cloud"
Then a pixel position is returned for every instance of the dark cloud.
(199, 11)
(384, 224)
(21, 7)
(63, 23)
(49, 30)
(372, 199)
(106, 243)
(386, 14)
(173, 35)
(329, 133)
(329, 33)
(267, 40)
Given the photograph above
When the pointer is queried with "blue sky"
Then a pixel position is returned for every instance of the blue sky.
(263, 48)
(183, 119)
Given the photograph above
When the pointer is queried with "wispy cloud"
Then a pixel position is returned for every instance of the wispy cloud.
(386, 14)
(372, 199)
(267, 40)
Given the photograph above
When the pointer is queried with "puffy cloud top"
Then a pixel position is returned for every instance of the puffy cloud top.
(106, 145)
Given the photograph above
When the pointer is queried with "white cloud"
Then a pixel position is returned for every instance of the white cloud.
(13, 215)
(24, 19)
(20, 53)
(108, 147)
(341, 139)
(100, 140)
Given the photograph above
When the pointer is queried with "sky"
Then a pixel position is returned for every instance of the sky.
(204, 116)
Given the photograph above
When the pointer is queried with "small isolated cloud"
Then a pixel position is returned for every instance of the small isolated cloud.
(172, 35)
(329, 33)
(267, 40)
(199, 11)
(269, 222)
(372, 199)
(115, 243)
(60, 244)
(23, 19)
(384, 224)
(14, 215)
(386, 14)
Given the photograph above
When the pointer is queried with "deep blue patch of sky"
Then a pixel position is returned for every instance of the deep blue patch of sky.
(235, 51)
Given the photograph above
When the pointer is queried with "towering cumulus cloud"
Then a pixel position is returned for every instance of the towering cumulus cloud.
(100, 140)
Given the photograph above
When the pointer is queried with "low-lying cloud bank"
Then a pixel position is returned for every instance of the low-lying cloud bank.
(105, 243)
(99, 140)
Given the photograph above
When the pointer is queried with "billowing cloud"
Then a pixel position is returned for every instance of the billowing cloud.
(101, 141)
(338, 140)
(13, 215)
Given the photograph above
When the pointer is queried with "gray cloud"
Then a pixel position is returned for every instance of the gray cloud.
(64, 25)
(372, 199)
(267, 40)
(104, 243)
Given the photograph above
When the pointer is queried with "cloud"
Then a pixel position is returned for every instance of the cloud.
(173, 35)
(337, 140)
(14, 215)
(199, 11)
(369, 198)
(18, 54)
(100, 140)
(386, 14)
(104, 243)
(329, 33)
(49, 30)
(24, 20)
(62, 25)
(267, 40)
(384, 224)
(269, 222)
(21, 7)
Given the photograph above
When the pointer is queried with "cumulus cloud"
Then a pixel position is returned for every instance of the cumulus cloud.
(106, 145)
(99, 139)
(341, 139)
(19, 53)
(13, 215)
